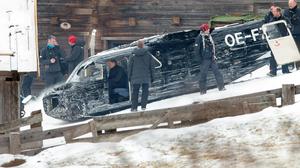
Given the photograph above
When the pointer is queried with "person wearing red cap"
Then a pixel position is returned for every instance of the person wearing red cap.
(205, 49)
(76, 54)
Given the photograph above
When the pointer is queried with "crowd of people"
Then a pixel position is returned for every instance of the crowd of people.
(55, 65)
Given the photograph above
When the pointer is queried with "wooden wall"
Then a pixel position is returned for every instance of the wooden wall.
(127, 20)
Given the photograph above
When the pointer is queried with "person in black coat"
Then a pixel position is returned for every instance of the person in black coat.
(117, 83)
(205, 49)
(50, 61)
(293, 15)
(276, 16)
(140, 74)
(269, 16)
(76, 54)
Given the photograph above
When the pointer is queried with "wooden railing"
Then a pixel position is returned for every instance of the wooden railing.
(115, 127)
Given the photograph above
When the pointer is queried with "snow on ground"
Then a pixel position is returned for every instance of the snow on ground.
(254, 82)
(266, 139)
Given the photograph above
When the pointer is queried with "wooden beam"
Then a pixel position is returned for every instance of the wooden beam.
(32, 136)
(288, 94)
(15, 124)
(83, 11)
(197, 112)
(78, 131)
(161, 120)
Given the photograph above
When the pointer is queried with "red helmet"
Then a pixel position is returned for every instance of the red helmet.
(204, 27)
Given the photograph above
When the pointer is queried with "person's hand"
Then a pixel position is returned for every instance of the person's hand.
(52, 60)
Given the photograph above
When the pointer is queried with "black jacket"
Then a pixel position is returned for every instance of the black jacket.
(268, 17)
(117, 78)
(46, 55)
(76, 56)
(140, 68)
(271, 18)
(293, 15)
(204, 47)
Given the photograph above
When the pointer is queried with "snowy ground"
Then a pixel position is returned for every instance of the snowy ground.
(254, 82)
(267, 139)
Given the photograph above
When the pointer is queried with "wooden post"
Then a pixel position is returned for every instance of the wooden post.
(14, 143)
(9, 97)
(38, 127)
(288, 94)
(93, 129)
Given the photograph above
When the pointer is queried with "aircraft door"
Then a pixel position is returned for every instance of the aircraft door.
(281, 42)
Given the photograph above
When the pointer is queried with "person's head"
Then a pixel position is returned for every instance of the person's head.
(72, 40)
(273, 7)
(276, 12)
(111, 63)
(205, 28)
(51, 40)
(292, 4)
(140, 44)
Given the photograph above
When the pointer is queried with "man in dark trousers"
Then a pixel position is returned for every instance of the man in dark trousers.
(76, 54)
(276, 16)
(117, 83)
(140, 74)
(293, 15)
(205, 48)
(50, 61)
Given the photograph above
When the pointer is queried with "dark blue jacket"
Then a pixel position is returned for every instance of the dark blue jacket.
(76, 56)
(293, 15)
(117, 78)
(204, 47)
(46, 55)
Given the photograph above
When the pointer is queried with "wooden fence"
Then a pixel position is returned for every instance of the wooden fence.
(115, 127)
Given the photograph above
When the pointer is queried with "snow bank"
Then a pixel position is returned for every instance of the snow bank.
(266, 139)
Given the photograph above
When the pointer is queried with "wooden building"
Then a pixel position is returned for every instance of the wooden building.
(122, 21)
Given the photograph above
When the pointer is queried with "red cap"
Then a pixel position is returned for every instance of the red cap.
(204, 27)
(72, 39)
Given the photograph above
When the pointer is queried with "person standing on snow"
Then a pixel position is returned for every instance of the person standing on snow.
(140, 74)
(205, 49)
(293, 15)
(276, 16)
(50, 60)
(76, 55)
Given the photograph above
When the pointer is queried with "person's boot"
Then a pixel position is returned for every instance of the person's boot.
(202, 92)
(271, 74)
(222, 89)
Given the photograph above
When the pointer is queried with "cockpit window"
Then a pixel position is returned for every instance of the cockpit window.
(275, 31)
(91, 72)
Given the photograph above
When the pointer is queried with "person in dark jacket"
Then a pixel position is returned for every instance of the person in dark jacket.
(77, 53)
(140, 74)
(276, 16)
(205, 48)
(50, 61)
(63, 64)
(117, 83)
(293, 15)
(269, 16)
